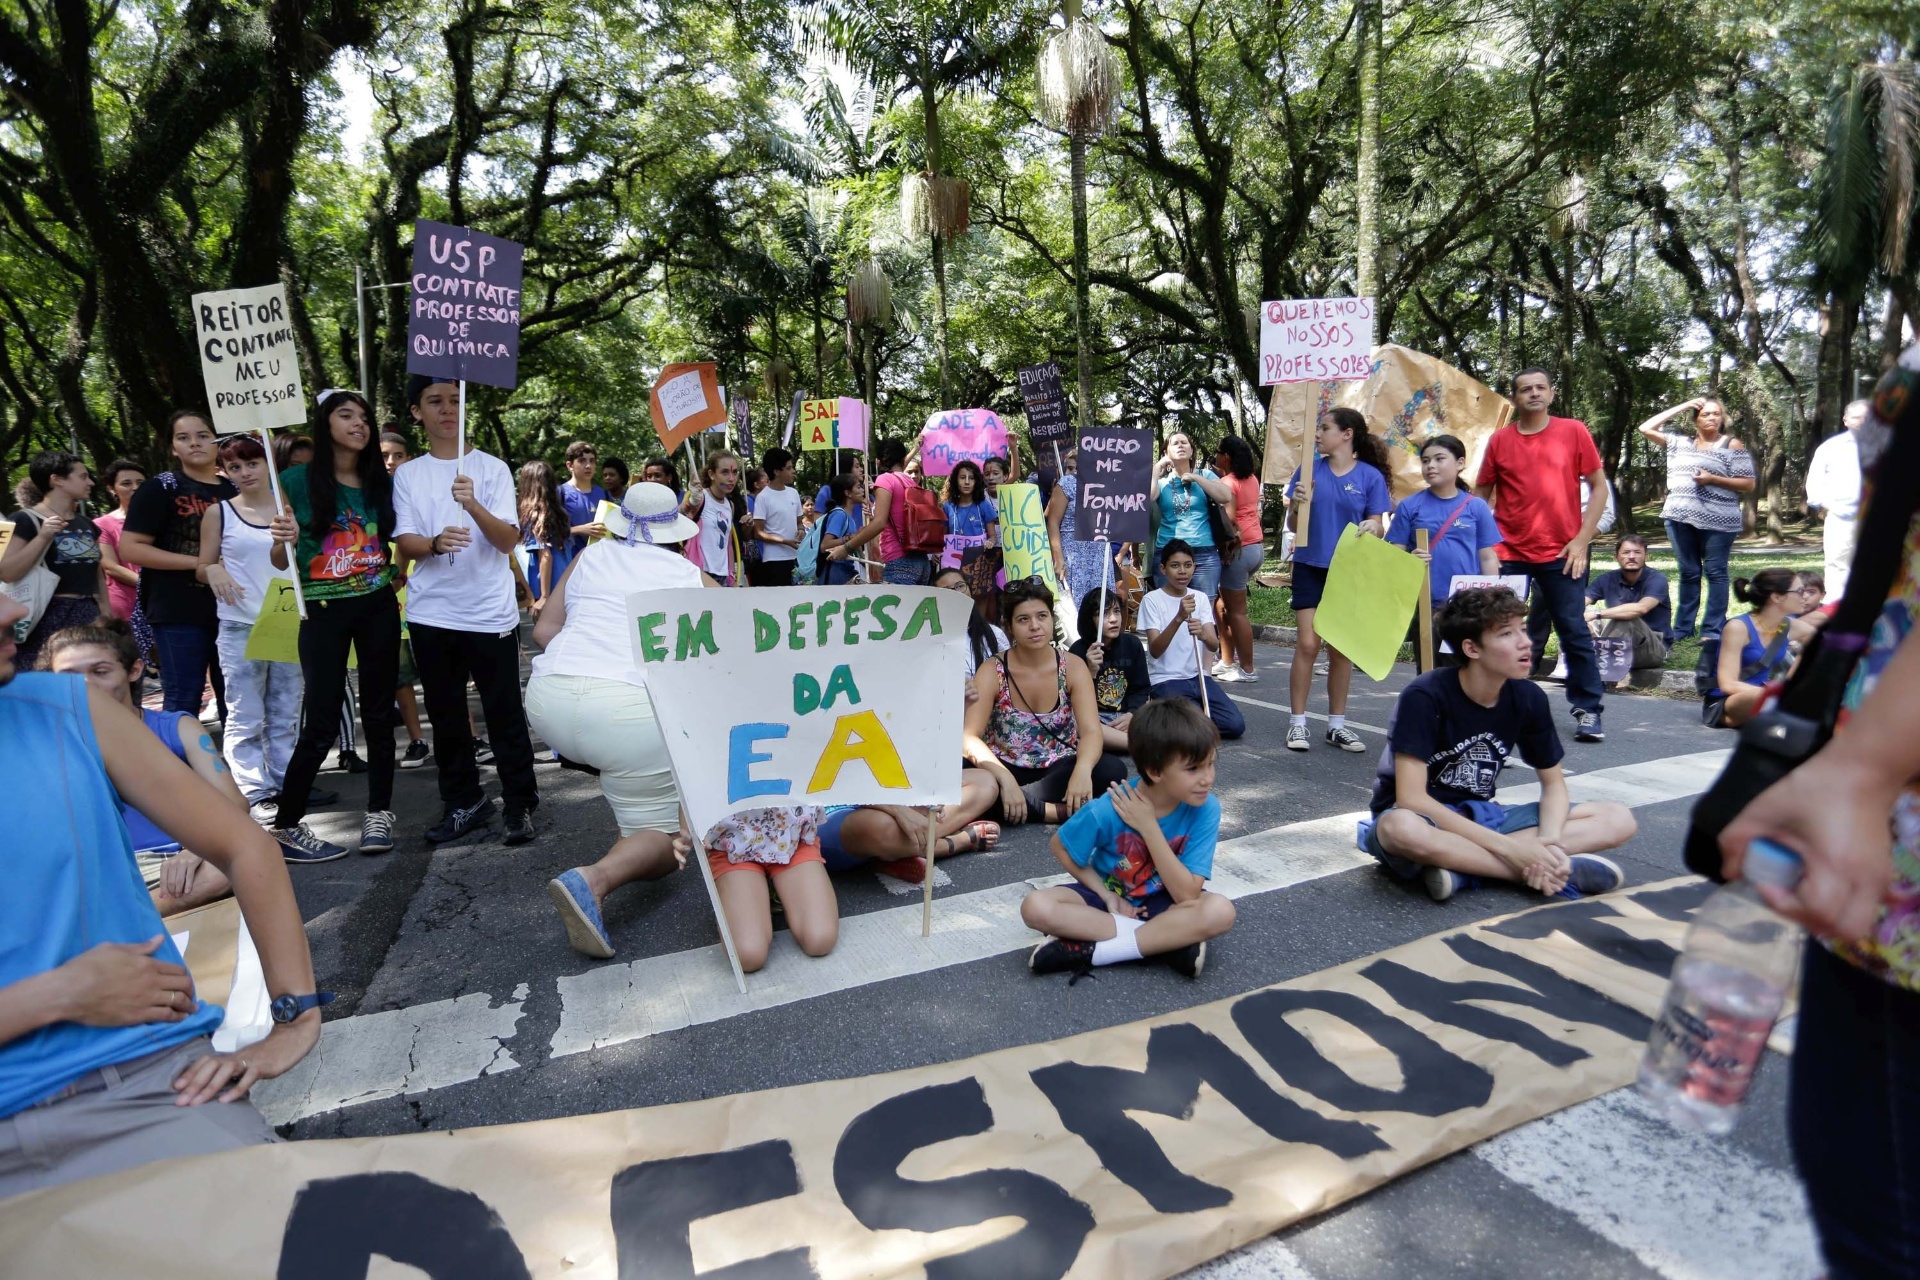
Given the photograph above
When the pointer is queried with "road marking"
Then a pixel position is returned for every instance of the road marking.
(1266, 1259)
(1686, 1205)
(615, 1004)
(1311, 715)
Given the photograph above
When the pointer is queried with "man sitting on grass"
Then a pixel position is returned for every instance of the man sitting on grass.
(1435, 817)
(1140, 857)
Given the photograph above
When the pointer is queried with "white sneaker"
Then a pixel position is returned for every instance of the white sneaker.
(1244, 676)
(1298, 739)
(1230, 676)
(1220, 669)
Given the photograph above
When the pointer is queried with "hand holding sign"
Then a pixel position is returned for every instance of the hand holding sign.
(1115, 479)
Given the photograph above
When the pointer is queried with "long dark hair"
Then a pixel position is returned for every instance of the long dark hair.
(1239, 456)
(1365, 447)
(979, 633)
(542, 514)
(323, 491)
(950, 491)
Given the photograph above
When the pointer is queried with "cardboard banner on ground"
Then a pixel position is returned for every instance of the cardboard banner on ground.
(1116, 477)
(1316, 340)
(248, 359)
(1026, 547)
(961, 435)
(1408, 397)
(799, 695)
(1048, 419)
(685, 401)
(1130, 1153)
(463, 314)
(1373, 587)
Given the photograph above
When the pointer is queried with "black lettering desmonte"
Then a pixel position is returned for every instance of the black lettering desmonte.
(338, 1225)
(1435, 1081)
(654, 1206)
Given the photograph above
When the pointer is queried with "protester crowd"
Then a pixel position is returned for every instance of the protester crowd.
(1098, 712)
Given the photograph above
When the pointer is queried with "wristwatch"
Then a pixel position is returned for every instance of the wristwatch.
(287, 1008)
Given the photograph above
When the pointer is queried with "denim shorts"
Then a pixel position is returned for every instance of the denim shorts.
(1490, 814)
(1235, 573)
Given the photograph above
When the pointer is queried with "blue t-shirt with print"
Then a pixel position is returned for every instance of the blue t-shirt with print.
(1338, 501)
(1459, 552)
(1096, 838)
(971, 521)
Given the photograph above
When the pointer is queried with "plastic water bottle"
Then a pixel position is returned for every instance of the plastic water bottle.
(1727, 988)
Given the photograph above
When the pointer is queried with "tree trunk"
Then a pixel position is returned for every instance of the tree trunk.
(1077, 152)
(1367, 167)
(940, 310)
(1892, 327)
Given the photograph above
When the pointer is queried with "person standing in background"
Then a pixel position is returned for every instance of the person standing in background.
(394, 450)
(582, 496)
(55, 531)
(546, 529)
(614, 476)
(124, 478)
(1233, 462)
(776, 523)
(1833, 487)
(162, 540)
(1706, 474)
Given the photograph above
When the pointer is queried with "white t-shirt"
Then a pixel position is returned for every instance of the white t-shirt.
(1157, 612)
(716, 546)
(470, 589)
(246, 552)
(597, 639)
(779, 511)
(1000, 646)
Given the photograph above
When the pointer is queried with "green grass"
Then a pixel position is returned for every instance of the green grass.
(1268, 606)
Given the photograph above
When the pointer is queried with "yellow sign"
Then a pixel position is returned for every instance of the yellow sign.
(819, 424)
(1372, 589)
(604, 514)
(276, 632)
(1023, 536)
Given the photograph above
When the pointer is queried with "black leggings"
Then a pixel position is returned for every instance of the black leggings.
(370, 626)
(1044, 786)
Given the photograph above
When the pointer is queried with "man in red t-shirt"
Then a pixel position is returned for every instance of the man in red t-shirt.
(1531, 474)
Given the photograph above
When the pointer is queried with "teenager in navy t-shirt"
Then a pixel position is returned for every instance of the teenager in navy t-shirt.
(581, 496)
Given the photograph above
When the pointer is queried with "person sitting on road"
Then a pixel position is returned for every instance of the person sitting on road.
(1173, 618)
(1118, 660)
(1140, 857)
(105, 1059)
(1036, 726)
(780, 846)
(1753, 646)
(1631, 602)
(1435, 818)
(595, 711)
(107, 656)
(894, 837)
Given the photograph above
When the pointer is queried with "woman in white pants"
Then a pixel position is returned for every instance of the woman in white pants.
(589, 702)
(263, 698)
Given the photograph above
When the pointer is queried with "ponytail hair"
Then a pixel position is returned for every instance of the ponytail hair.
(1763, 586)
(1366, 447)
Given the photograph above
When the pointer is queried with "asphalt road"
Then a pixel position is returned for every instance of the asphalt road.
(461, 1004)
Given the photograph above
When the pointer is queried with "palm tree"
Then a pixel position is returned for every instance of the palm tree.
(1079, 87)
(869, 314)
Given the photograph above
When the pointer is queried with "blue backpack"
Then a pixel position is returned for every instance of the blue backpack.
(807, 557)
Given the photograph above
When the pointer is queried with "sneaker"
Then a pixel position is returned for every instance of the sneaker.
(417, 755)
(1586, 727)
(1441, 883)
(1345, 739)
(1298, 739)
(376, 832)
(351, 762)
(1595, 875)
(1245, 676)
(1230, 676)
(298, 845)
(586, 932)
(482, 751)
(459, 822)
(264, 811)
(1061, 955)
(1188, 961)
(1219, 669)
(518, 827)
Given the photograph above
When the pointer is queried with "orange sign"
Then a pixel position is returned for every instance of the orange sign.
(686, 401)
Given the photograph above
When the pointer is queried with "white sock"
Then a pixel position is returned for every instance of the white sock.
(1336, 722)
(1122, 946)
(1296, 722)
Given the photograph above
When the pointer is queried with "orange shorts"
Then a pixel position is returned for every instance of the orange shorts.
(804, 854)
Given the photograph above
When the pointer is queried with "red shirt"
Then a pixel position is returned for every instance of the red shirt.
(1537, 486)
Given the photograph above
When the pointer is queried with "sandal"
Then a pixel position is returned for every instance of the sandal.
(979, 835)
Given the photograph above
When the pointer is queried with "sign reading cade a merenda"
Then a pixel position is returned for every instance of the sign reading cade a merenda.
(805, 695)
(247, 357)
(463, 320)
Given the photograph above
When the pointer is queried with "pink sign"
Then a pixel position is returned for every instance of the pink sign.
(852, 432)
(961, 435)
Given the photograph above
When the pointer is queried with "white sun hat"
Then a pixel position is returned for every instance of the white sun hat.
(650, 513)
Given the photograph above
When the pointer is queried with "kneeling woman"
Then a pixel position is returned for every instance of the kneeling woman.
(1036, 724)
(751, 851)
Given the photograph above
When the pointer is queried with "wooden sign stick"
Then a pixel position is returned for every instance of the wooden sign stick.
(1303, 502)
(1426, 605)
(926, 886)
(1200, 676)
(460, 463)
(713, 891)
(279, 505)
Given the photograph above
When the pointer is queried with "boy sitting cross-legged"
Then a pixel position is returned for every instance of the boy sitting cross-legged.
(1140, 856)
(1451, 733)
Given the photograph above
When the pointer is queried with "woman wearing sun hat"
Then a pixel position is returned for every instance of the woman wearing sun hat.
(588, 699)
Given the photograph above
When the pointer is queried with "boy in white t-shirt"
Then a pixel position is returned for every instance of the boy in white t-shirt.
(457, 520)
(1170, 619)
(776, 522)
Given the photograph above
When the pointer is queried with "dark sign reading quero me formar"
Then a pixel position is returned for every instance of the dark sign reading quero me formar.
(463, 321)
(1116, 467)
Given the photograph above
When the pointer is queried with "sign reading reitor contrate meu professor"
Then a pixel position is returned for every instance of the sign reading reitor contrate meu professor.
(247, 357)
(805, 695)
(463, 314)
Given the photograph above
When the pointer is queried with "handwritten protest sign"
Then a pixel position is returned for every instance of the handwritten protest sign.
(953, 554)
(961, 435)
(1518, 583)
(1316, 340)
(819, 425)
(851, 696)
(1047, 417)
(685, 401)
(854, 418)
(463, 322)
(276, 632)
(1116, 472)
(1024, 542)
(1372, 590)
(247, 358)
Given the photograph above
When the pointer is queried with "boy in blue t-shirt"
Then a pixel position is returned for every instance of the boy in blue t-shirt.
(1462, 535)
(1140, 857)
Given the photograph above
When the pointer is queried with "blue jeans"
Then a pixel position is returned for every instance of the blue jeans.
(914, 569)
(1566, 602)
(1700, 551)
(1226, 716)
(187, 658)
(1853, 1113)
(1206, 573)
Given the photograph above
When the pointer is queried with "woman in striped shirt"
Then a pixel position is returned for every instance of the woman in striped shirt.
(1706, 474)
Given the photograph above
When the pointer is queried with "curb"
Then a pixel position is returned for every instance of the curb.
(1670, 681)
